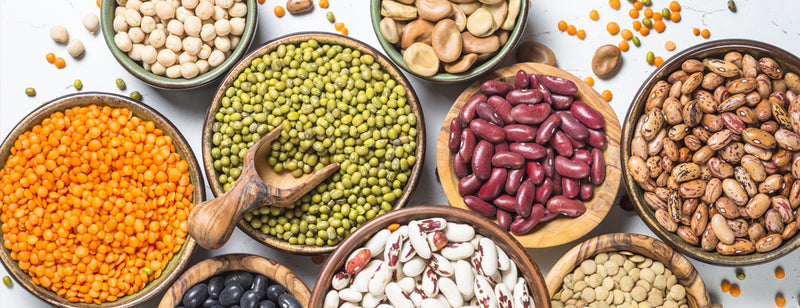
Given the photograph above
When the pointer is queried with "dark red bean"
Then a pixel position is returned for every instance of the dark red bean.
(487, 131)
(504, 219)
(535, 172)
(503, 108)
(547, 98)
(547, 129)
(455, 135)
(548, 215)
(495, 87)
(570, 187)
(501, 147)
(571, 126)
(494, 186)
(548, 161)
(576, 144)
(467, 113)
(520, 132)
(506, 203)
(514, 180)
(556, 184)
(598, 167)
(583, 156)
(459, 167)
(543, 191)
(597, 138)
(570, 168)
(586, 190)
(525, 196)
(469, 185)
(561, 144)
(561, 102)
(625, 203)
(480, 206)
(487, 113)
(522, 225)
(587, 115)
(521, 80)
(534, 81)
(509, 160)
(566, 206)
(482, 160)
(528, 114)
(528, 150)
(468, 142)
(559, 85)
(527, 96)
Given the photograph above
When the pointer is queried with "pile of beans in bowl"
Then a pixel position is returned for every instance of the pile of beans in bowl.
(238, 289)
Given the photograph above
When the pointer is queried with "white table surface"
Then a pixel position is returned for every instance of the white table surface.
(24, 41)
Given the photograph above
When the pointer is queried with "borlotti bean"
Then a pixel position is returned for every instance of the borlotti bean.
(717, 152)
(527, 152)
(471, 271)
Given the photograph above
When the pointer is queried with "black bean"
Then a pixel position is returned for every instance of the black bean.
(217, 306)
(209, 302)
(260, 284)
(287, 300)
(250, 299)
(266, 304)
(231, 295)
(195, 296)
(274, 291)
(215, 285)
(244, 279)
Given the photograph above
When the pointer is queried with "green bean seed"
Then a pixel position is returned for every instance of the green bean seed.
(636, 41)
(7, 281)
(136, 95)
(650, 57)
(78, 84)
(30, 91)
(647, 22)
(330, 17)
(120, 84)
(732, 6)
(665, 13)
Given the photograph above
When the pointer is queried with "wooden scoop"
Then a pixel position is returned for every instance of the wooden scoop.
(211, 223)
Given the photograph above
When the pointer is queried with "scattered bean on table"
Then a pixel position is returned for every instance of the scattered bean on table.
(78, 84)
(120, 84)
(30, 91)
(7, 281)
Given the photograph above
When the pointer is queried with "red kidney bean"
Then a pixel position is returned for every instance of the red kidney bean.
(467, 113)
(571, 126)
(548, 161)
(561, 144)
(482, 160)
(547, 98)
(504, 219)
(586, 190)
(455, 135)
(509, 160)
(587, 115)
(528, 150)
(480, 206)
(487, 131)
(528, 114)
(522, 225)
(597, 138)
(487, 113)
(527, 96)
(495, 87)
(520, 132)
(535, 172)
(566, 206)
(494, 186)
(569, 168)
(559, 85)
(543, 191)
(534, 81)
(525, 196)
(583, 156)
(561, 102)
(598, 167)
(548, 215)
(506, 203)
(459, 167)
(521, 80)
(556, 184)
(501, 147)
(469, 185)
(576, 144)
(570, 187)
(468, 142)
(547, 129)
(514, 180)
(503, 108)
(625, 203)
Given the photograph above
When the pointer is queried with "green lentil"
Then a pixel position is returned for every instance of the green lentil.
(636, 41)
(330, 16)
(665, 12)
(732, 6)
(647, 22)
(335, 105)
(120, 84)
(136, 95)
(30, 91)
(650, 57)
(7, 281)
(78, 84)
(647, 2)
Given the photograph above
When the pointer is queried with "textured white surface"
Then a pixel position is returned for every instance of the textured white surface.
(24, 41)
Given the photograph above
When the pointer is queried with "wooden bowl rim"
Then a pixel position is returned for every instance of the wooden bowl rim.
(178, 262)
(443, 77)
(636, 108)
(609, 187)
(323, 38)
(642, 244)
(513, 248)
(106, 24)
(237, 262)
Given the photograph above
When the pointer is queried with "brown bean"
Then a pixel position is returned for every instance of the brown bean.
(781, 116)
(732, 103)
(758, 138)
(742, 85)
(559, 85)
(732, 122)
(747, 115)
(480, 206)
(789, 231)
(787, 139)
(770, 67)
(547, 129)
(494, 185)
(712, 123)
(654, 202)
(454, 141)
(711, 81)
(468, 142)
(495, 87)
(756, 232)
(532, 51)
(720, 139)
(605, 61)
(566, 206)
(482, 160)
(522, 225)
(520, 133)
(561, 102)
(672, 110)
(460, 167)
(752, 98)
(768, 243)
(692, 189)
(543, 191)
(687, 235)
(691, 83)
(569, 168)
(692, 66)
(509, 160)
(727, 208)
(514, 180)
(757, 206)
(692, 115)
(794, 195)
(665, 221)
(740, 246)
(739, 227)
(708, 241)
(486, 112)
(699, 219)
(677, 77)
(782, 206)
(535, 172)
(469, 185)
(749, 66)
(771, 184)
(722, 67)
(524, 96)
(679, 132)
(734, 191)
(528, 114)
(487, 131)
(734, 57)
(503, 108)
(772, 221)
(702, 155)
(468, 113)
(657, 95)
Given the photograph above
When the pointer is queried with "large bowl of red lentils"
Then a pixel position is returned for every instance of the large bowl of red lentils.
(95, 190)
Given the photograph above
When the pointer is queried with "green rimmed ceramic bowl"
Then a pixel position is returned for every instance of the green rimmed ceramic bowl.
(135, 67)
(477, 69)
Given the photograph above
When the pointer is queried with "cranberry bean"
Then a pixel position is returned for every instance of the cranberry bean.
(570, 187)
(543, 191)
(586, 190)
(501, 147)
(527, 96)
(509, 160)
(521, 80)
(494, 186)
(520, 132)
(547, 129)
(528, 114)
(486, 112)
(480, 206)
(548, 215)
(469, 185)
(561, 144)
(455, 135)
(597, 138)
(569, 168)
(459, 167)
(495, 87)
(535, 81)
(503, 108)
(572, 127)
(522, 225)
(467, 113)
(514, 180)
(566, 206)
(598, 167)
(525, 196)
(506, 203)
(487, 131)
(561, 102)
(582, 156)
(504, 219)
(528, 150)
(482, 160)
(559, 85)
(468, 142)
(548, 162)
(535, 172)
(587, 115)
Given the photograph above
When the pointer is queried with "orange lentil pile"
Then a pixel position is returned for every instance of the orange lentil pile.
(94, 203)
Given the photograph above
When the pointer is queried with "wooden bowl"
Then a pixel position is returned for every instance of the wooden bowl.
(477, 69)
(483, 226)
(323, 38)
(135, 67)
(179, 261)
(561, 230)
(641, 244)
(717, 49)
(235, 262)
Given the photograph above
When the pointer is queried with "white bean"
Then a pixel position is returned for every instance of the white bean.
(157, 38)
(510, 275)
(504, 296)
(331, 299)
(148, 24)
(430, 303)
(371, 301)
(418, 240)
(192, 25)
(379, 279)
(149, 54)
(464, 278)
(204, 52)
(522, 297)
(237, 26)
(59, 34)
(350, 295)
(216, 58)
(414, 267)
(502, 259)
(235, 41)
(450, 291)
(407, 284)
(75, 48)
(133, 4)
(340, 280)
(181, 13)
(417, 295)
(224, 3)
(407, 252)
(175, 27)
(204, 10)
(484, 293)
(220, 13)
(488, 251)
(136, 34)
(440, 264)
(189, 4)
(396, 296)
(377, 243)
(192, 45)
(136, 52)
(91, 22)
(222, 43)
(158, 69)
(133, 18)
(166, 57)
(123, 41)
(120, 11)
(203, 65)
(173, 43)
(223, 28)
(207, 32)
(174, 71)
(458, 251)
(456, 232)
(238, 9)
(430, 282)
(391, 251)
(119, 24)
(361, 280)
(165, 10)
(189, 70)
(349, 305)
(185, 57)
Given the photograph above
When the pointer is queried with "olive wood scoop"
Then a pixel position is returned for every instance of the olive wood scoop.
(211, 222)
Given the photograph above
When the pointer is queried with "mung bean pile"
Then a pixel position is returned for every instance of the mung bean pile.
(335, 105)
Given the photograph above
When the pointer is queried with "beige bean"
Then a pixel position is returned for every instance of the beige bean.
(756, 231)
(422, 59)
(462, 64)
(686, 172)
(772, 184)
(446, 40)
(679, 132)
(397, 10)
(481, 23)
(472, 44)
(758, 137)
(789, 231)
(691, 83)
(787, 139)
(713, 191)
(742, 85)
(770, 67)
(768, 243)
(740, 246)
(709, 240)
(692, 189)
(499, 10)
(459, 17)
(727, 208)
(749, 66)
(792, 82)
(692, 66)
(657, 94)
(653, 122)
(389, 30)
(433, 10)
(514, 7)
(734, 191)
(722, 230)
(772, 221)
(687, 235)
(699, 219)
(417, 31)
(638, 169)
(711, 81)
(719, 168)
(722, 67)
(757, 206)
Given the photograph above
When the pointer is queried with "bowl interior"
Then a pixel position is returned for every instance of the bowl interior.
(563, 229)
(135, 68)
(472, 73)
(716, 49)
(483, 226)
(235, 262)
(641, 244)
(178, 261)
(322, 38)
